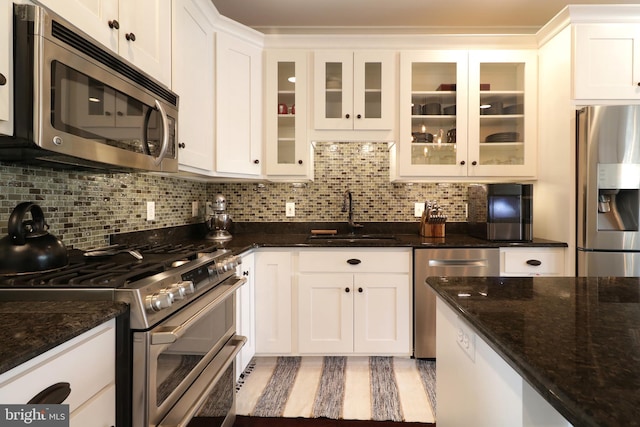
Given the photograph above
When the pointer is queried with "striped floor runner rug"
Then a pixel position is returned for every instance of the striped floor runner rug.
(336, 387)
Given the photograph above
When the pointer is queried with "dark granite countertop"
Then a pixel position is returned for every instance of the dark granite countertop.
(575, 340)
(31, 328)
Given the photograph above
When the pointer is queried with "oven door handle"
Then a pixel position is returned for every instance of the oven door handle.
(180, 416)
(169, 334)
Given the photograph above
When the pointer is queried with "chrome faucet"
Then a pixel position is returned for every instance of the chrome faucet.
(347, 206)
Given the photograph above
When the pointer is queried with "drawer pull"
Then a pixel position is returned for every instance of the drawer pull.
(354, 261)
(534, 262)
(52, 395)
(347, 290)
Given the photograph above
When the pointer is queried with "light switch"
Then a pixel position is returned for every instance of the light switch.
(418, 209)
(290, 209)
(151, 211)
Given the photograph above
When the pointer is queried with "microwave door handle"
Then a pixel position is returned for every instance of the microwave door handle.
(168, 335)
(165, 134)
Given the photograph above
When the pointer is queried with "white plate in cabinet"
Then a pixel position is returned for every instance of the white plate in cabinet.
(532, 261)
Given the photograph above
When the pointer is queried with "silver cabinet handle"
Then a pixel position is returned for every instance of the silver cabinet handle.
(458, 263)
(165, 134)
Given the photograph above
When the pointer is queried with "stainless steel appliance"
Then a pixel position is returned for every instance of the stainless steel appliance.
(443, 262)
(78, 105)
(501, 211)
(608, 207)
(219, 221)
(176, 357)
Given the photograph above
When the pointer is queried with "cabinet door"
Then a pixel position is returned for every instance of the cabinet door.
(245, 313)
(238, 106)
(433, 113)
(606, 62)
(325, 311)
(193, 80)
(273, 302)
(381, 314)
(374, 80)
(502, 113)
(6, 62)
(287, 149)
(145, 36)
(333, 90)
(97, 18)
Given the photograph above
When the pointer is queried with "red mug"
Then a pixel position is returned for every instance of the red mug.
(282, 109)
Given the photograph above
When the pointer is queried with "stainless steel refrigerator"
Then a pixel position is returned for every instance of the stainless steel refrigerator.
(608, 238)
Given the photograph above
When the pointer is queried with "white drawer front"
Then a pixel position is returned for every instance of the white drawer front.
(99, 411)
(522, 261)
(362, 260)
(86, 362)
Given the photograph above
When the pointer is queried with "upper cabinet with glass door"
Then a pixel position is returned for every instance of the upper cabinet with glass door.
(502, 114)
(433, 115)
(354, 90)
(288, 152)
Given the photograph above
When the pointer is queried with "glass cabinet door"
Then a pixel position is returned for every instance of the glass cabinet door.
(433, 113)
(502, 113)
(287, 152)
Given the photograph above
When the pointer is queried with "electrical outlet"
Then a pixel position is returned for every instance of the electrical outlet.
(194, 208)
(151, 211)
(418, 209)
(290, 209)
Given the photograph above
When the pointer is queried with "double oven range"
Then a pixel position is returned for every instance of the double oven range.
(175, 355)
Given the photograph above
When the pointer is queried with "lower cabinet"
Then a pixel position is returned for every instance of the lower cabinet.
(353, 313)
(354, 301)
(86, 363)
(532, 261)
(245, 312)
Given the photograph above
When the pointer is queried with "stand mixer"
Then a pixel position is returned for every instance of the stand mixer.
(219, 221)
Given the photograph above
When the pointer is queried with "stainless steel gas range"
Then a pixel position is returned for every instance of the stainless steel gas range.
(176, 355)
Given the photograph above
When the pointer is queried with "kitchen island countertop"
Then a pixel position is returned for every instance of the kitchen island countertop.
(575, 340)
(30, 328)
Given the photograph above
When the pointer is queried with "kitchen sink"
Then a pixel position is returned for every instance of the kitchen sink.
(352, 238)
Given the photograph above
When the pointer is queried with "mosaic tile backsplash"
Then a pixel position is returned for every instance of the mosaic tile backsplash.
(84, 208)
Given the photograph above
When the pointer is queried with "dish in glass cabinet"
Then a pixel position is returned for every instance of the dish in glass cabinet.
(503, 137)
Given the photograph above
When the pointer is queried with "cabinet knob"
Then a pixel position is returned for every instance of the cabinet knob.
(3, 80)
(300, 162)
(474, 163)
(347, 290)
(534, 262)
(245, 273)
(462, 162)
(182, 145)
(114, 24)
(360, 290)
(130, 37)
(353, 261)
(638, 83)
(359, 116)
(347, 116)
(256, 161)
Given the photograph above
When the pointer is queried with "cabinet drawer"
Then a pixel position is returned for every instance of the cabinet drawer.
(99, 411)
(87, 363)
(346, 260)
(532, 261)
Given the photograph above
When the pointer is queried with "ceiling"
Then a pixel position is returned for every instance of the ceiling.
(402, 16)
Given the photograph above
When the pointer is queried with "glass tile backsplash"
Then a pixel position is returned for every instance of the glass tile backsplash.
(84, 208)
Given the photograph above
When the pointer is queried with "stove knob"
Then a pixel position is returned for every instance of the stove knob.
(188, 287)
(159, 300)
(177, 291)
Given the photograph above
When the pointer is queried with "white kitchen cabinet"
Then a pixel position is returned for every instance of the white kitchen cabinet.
(193, 78)
(238, 138)
(532, 261)
(139, 31)
(354, 90)
(354, 301)
(273, 287)
(86, 362)
(476, 386)
(6, 67)
(288, 153)
(606, 62)
(245, 312)
(468, 114)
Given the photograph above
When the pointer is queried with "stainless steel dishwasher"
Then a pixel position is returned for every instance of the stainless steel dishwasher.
(443, 262)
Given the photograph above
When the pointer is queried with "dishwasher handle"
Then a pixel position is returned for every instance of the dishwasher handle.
(458, 263)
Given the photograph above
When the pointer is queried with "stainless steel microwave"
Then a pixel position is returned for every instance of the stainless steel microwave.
(77, 105)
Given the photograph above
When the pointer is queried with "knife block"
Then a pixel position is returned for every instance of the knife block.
(428, 229)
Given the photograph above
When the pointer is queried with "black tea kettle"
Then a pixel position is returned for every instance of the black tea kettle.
(29, 248)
